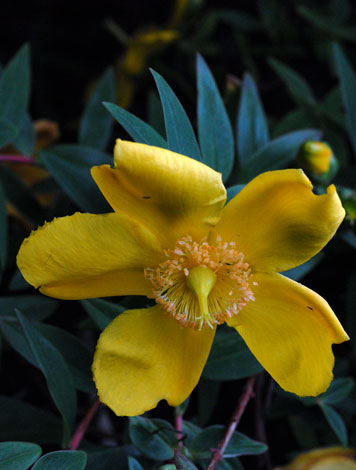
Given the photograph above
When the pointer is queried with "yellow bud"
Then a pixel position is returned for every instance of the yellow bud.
(315, 157)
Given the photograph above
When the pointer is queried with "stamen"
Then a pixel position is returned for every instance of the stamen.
(202, 285)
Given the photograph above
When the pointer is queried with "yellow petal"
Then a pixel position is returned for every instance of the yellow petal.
(290, 330)
(278, 222)
(86, 255)
(144, 356)
(162, 189)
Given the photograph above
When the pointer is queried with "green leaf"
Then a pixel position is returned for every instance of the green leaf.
(327, 25)
(15, 87)
(76, 355)
(252, 128)
(101, 311)
(18, 455)
(233, 190)
(336, 423)
(277, 153)
(209, 438)
(3, 230)
(182, 462)
(230, 358)
(21, 196)
(155, 113)
(95, 124)
(59, 379)
(180, 134)
(134, 464)
(190, 429)
(62, 460)
(148, 437)
(339, 389)
(8, 132)
(21, 421)
(110, 458)
(26, 139)
(35, 307)
(139, 130)
(298, 88)
(293, 121)
(208, 396)
(347, 78)
(70, 166)
(300, 271)
(214, 128)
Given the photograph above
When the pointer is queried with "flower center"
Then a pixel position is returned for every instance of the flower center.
(200, 284)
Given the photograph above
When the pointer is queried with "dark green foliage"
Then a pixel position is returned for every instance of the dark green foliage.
(18, 455)
(279, 74)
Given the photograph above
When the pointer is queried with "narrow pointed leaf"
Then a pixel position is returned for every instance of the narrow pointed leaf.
(230, 358)
(76, 355)
(298, 88)
(347, 78)
(339, 389)
(180, 134)
(35, 307)
(18, 455)
(278, 153)
(101, 311)
(54, 368)
(62, 460)
(233, 190)
(209, 438)
(21, 421)
(8, 132)
(70, 166)
(134, 464)
(336, 423)
(20, 196)
(15, 86)
(300, 271)
(252, 128)
(26, 139)
(96, 123)
(139, 130)
(215, 132)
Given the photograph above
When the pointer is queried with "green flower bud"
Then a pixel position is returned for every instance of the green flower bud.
(318, 161)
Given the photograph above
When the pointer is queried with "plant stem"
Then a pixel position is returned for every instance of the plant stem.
(16, 158)
(179, 429)
(219, 451)
(83, 426)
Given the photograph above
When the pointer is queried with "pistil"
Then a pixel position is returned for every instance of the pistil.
(202, 285)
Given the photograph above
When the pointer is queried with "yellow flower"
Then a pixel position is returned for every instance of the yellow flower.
(171, 239)
(330, 458)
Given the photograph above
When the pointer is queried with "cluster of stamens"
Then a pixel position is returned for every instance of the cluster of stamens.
(230, 290)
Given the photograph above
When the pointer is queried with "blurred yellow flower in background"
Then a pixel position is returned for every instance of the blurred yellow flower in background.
(330, 458)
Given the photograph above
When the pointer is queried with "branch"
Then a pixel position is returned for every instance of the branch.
(219, 451)
(16, 158)
(83, 426)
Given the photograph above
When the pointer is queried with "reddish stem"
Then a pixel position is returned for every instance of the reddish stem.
(16, 158)
(83, 426)
(219, 451)
(179, 430)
